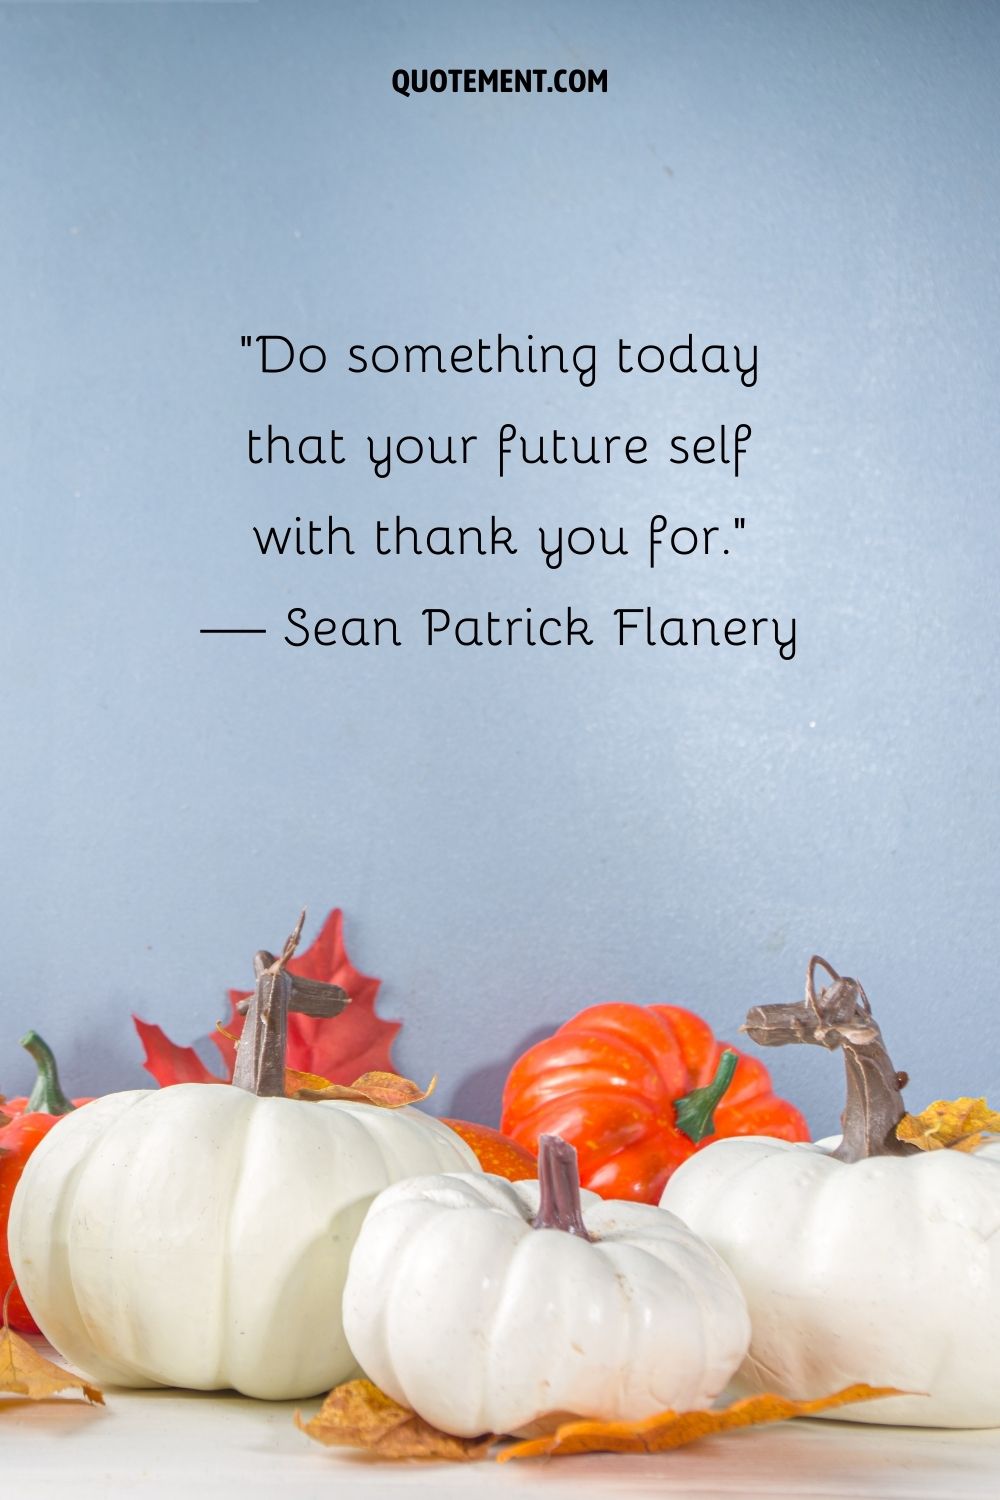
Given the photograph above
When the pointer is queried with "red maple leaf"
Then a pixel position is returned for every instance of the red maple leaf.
(339, 1048)
(167, 1062)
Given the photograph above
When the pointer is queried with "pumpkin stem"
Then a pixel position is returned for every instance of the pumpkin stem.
(559, 1205)
(260, 1052)
(840, 1016)
(693, 1114)
(47, 1097)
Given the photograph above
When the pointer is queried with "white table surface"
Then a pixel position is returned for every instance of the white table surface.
(183, 1444)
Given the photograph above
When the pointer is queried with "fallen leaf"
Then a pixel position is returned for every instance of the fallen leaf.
(387, 1090)
(962, 1124)
(359, 1415)
(295, 1082)
(25, 1372)
(335, 1048)
(672, 1429)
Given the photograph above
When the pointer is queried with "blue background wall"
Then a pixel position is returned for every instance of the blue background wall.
(513, 834)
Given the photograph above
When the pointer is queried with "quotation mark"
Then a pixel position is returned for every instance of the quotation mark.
(245, 341)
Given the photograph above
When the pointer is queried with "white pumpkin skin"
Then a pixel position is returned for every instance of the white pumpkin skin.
(458, 1308)
(199, 1236)
(885, 1270)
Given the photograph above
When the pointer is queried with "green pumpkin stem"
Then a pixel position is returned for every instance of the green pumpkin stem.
(47, 1097)
(694, 1113)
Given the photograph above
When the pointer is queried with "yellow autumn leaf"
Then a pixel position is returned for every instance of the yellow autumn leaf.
(25, 1372)
(359, 1415)
(672, 1429)
(962, 1124)
(386, 1090)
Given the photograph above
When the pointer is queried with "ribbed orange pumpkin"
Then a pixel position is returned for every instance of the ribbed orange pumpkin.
(609, 1082)
(23, 1123)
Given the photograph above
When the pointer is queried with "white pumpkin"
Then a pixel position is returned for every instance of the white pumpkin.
(860, 1258)
(885, 1270)
(199, 1235)
(458, 1307)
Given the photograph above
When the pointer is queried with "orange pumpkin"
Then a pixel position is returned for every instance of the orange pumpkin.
(611, 1081)
(496, 1153)
(23, 1123)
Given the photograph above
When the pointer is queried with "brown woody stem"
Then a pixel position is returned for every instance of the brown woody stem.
(559, 1205)
(260, 1053)
(840, 1016)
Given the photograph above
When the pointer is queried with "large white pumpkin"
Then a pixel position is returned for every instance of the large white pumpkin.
(885, 1270)
(861, 1259)
(199, 1236)
(459, 1308)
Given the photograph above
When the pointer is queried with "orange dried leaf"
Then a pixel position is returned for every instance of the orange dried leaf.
(296, 1082)
(25, 1372)
(359, 1415)
(386, 1090)
(961, 1124)
(675, 1429)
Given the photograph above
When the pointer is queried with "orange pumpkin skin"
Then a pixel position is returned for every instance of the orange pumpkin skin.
(23, 1123)
(18, 1138)
(496, 1153)
(607, 1081)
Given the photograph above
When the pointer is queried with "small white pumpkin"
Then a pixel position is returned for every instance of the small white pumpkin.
(199, 1235)
(861, 1260)
(491, 1306)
